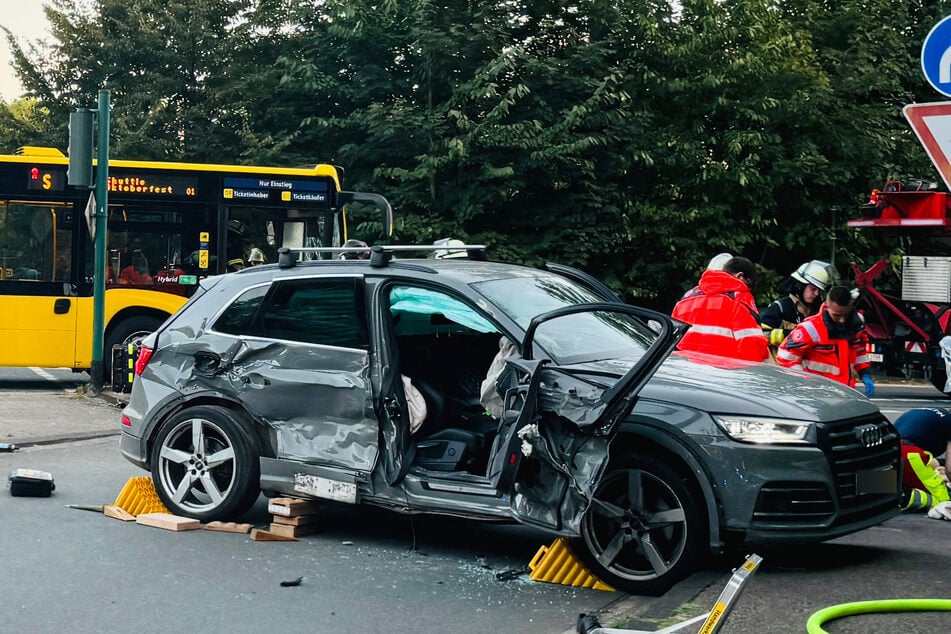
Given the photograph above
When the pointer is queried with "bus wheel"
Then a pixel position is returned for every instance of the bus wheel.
(126, 331)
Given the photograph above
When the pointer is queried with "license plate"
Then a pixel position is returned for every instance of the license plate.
(325, 488)
(873, 482)
(874, 357)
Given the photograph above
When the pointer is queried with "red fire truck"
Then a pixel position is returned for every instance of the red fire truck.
(908, 316)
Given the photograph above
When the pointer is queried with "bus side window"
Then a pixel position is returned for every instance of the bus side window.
(27, 241)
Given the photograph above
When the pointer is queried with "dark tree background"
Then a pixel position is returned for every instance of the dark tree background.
(634, 139)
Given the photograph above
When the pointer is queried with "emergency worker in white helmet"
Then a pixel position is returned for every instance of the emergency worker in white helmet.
(803, 290)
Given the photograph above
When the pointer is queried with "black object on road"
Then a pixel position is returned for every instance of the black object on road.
(292, 582)
(6, 446)
(31, 483)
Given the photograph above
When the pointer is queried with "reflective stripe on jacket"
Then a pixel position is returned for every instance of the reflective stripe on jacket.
(723, 319)
(809, 347)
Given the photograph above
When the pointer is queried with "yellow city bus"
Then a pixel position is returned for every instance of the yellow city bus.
(169, 225)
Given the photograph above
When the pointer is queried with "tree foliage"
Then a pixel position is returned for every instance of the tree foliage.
(631, 138)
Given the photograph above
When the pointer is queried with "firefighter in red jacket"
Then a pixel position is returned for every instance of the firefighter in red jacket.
(722, 315)
(830, 343)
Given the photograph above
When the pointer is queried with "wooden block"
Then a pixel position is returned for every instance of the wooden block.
(297, 520)
(290, 507)
(293, 531)
(227, 527)
(168, 521)
(260, 535)
(117, 512)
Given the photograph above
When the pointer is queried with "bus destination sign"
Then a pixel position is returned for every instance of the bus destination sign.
(150, 185)
(288, 191)
(45, 179)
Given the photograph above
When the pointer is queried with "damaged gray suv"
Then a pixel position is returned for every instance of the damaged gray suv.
(497, 392)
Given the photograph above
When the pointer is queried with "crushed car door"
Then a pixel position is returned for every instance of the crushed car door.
(563, 408)
(300, 363)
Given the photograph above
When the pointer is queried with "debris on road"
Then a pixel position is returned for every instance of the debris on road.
(31, 483)
(515, 573)
(96, 508)
(5, 447)
(292, 583)
(227, 527)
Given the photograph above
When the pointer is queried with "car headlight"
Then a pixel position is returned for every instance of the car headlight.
(767, 430)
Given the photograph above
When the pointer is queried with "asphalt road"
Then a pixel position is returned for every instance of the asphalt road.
(68, 570)
(368, 570)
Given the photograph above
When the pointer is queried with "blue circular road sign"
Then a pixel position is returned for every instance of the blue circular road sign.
(936, 57)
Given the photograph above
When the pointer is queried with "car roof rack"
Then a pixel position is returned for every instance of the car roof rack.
(381, 255)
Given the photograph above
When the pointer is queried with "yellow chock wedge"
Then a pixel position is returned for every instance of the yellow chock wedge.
(557, 564)
(138, 496)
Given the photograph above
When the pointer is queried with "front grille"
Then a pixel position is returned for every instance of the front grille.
(813, 504)
(848, 456)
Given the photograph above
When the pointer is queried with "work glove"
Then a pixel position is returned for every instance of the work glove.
(776, 336)
(869, 386)
(941, 512)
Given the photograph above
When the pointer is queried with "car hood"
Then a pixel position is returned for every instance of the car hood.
(722, 385)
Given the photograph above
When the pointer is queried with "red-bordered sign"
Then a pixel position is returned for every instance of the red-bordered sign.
(932, 124)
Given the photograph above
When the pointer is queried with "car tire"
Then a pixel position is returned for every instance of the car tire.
(645, 529)
(126, 331)
(220, 479)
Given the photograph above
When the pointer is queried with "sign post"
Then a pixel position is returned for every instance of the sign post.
(80, 174)
(102, 215)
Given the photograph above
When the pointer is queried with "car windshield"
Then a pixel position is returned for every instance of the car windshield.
(580, 338)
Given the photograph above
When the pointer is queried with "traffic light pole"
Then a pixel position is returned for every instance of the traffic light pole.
(102, 214)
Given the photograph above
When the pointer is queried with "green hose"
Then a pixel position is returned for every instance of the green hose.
(817, 620)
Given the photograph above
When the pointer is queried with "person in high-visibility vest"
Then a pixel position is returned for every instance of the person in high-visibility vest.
(831, 343)
(722, 316)
(924, 482)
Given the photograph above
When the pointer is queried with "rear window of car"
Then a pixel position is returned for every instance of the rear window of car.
(315, 311)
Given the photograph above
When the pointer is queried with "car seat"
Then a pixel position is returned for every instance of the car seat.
(442, 446)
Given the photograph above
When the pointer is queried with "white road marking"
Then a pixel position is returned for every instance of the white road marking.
(49, 377)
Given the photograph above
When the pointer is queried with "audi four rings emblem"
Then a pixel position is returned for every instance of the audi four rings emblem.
(870, 435)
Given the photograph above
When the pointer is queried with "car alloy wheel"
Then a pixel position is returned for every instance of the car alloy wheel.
(643, 531)
(204, 464)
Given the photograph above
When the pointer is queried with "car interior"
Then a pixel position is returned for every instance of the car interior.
(446, 348)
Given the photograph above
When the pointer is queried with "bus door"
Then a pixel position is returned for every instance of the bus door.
(267, 229)
(37, 293)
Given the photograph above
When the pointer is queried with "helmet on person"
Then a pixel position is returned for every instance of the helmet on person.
(717, 261)
(816, 272)
(354, 255)
(454, 252)
(256, 256)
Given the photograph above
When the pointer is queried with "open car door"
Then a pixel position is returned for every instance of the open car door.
(578, 376)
